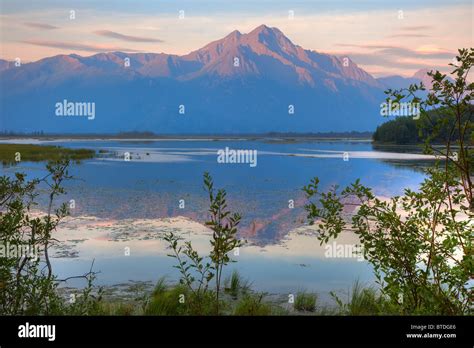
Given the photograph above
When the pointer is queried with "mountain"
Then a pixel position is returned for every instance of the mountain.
(398, 82)
(243, 83)
(5, 64)
(422, 75)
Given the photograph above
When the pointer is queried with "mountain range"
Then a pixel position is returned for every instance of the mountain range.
(244, 83)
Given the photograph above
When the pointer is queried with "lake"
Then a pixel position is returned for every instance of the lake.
(128, 200)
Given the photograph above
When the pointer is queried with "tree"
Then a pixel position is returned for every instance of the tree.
(420, 243)
(451, 103)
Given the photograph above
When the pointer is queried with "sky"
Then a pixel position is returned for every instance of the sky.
(383, 37)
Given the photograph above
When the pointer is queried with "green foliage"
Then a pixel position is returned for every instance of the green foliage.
(120, 309)
(420, 243)
(196, 271)
(446, 115)
(420, 249)
(86, 302)
(305, 302)
(235, 285)
(27, 283)
(37, 153)
(407, 130)
(401, 130)
(252, 304)
(365, 301)
(167, 302)
(224, 227)
(179, 300)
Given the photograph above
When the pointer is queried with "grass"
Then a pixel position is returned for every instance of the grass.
(363, 300)
(119, 309)
(166, 301)
(253, 305)
(305, 302)
(11, 153)
(235, 285)
(178, 300)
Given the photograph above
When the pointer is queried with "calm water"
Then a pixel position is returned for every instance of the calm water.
(161, 173)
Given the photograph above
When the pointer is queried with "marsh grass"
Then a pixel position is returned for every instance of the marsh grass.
(253, 305)
(362, 300)
(179, 300)
(305, 302)
(164, 300)
(235, 285)
(118, 308)
(38, 153)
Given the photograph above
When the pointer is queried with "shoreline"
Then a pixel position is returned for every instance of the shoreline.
(179, 138)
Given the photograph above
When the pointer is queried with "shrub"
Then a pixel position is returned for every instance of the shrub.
(28, 285)
(420, 243)
(196, 271)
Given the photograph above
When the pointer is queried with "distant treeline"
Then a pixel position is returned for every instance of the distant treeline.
(151, 135)
(401, 130)
(353, 134)
(406, 130)
(14, 134)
